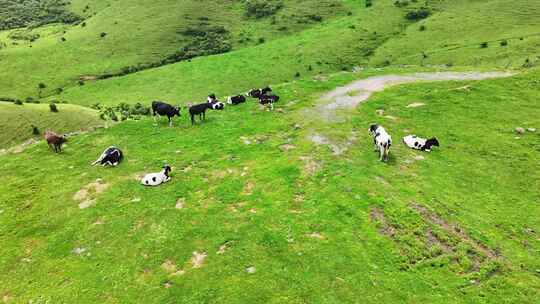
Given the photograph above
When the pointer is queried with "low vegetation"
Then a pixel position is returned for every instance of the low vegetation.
(34, 13)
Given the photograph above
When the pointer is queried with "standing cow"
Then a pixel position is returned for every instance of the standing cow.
(160, 108)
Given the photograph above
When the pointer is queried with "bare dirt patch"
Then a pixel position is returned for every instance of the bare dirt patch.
(198, 258)
(87, 195)
(311, 166)
(386, 228)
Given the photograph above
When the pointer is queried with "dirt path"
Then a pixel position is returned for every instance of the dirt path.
(351, 95)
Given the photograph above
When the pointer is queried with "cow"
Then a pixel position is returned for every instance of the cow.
(160, 108)
(418, 143)
(268, 100)
(55, 141)
(257, 93)
(199, 109)
(156, 179)
(235, 100)
(381, 140)
(112, 156)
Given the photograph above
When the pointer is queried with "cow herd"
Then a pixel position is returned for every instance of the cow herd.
(263, 96)
(112, 156)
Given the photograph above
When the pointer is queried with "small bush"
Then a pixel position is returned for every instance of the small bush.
(422, 28)
(297, 74)
(484, 45)
(504, 43)
(29, 100)
(18, 102)
(261, 40)
(262, 8)
(369, 3)
(315, 18)
(419, 14)
(102, 35)
(53, 108)
(35, 130)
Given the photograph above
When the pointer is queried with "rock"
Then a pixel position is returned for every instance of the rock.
(416, 105)
(532, 130)
(79, 250)
(251, 270)
(520, 130)
(136, 200)
(180, 203)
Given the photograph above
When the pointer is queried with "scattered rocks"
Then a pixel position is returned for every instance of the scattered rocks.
(136, 200)
(169, 266)
(316, 235)
(532, 130)
(251, 270)
(180, 203)
(287, 147)
(87, 204)
(222, 249)
(245, 140)
(198, 259)
(79, 250)
(167, 285)
(416, 105)
(519, 130)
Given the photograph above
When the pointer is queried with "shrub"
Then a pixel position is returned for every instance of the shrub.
(29, 100)
(103, 34)
(504, 43)
(418, 14)
(63, 39)
(262, 8)
(483, 45)
(53, 108)
(261, 40)
(422, 28)
(35, 130)
(18, 102)
(369, 3)
(20, 14)
(315, 18)
(297, 74)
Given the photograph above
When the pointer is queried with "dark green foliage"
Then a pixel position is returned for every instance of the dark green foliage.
(504, 43)
(484, 45)
(29, 100)
(35, 130)
(418, 14)
(18, 102)
(126, 111)
(102, 35)
(34, 13)
(53, 108)
(262, 8)
(41, 86)
(315, 18)
(369, 3)
(422, 28)
(401, 3)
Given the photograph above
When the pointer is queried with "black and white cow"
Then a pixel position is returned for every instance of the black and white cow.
(381, 140)
(215, 103)
(156, 179)
(418, 143)
(112, 156)
(235, 100)
(257, 93)
(160, 108)
(268, 100)
(200, 110)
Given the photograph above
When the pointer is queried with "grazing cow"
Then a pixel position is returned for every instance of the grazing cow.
(112, 156)
(382, 141)
(216, 105)
(55, 141)
(156, 179)
(200, 110)
(268, 100)
(234, 100)
(257, 93)
(161, 108)
(418, 143)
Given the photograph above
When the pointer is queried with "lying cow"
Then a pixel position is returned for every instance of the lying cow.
(156, 179)
(257, 93)
(112, 156)
(160, 108)
(235, 100)
(268, 100)
(55, 141)
(381, 140)
(418, 143)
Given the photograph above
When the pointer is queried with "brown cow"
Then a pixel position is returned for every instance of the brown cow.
(55, 141)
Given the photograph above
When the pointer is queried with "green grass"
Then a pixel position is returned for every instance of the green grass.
(482, 178)
(16, 121)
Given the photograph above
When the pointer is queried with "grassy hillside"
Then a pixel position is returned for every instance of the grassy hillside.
(464, 35)
(126, 33)
(375, 37)
(274, 218)
(17, 121)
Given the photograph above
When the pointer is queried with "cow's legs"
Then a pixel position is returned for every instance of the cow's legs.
(170, 121)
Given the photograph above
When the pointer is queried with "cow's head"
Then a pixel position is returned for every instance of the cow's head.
(167, 169)
(373, 129)
(177, 111)
(431, 142)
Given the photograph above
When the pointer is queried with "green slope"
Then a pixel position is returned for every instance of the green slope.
(137, 32)
(16, 121)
